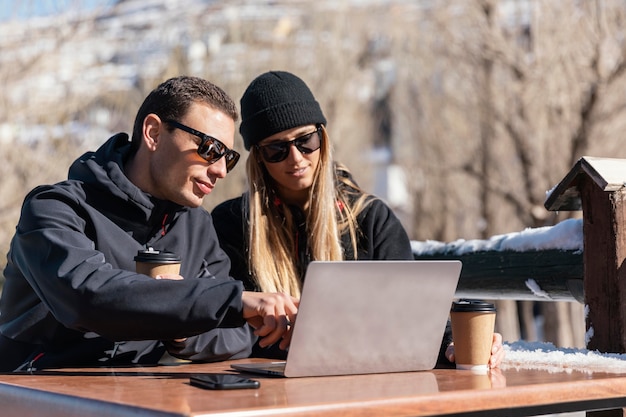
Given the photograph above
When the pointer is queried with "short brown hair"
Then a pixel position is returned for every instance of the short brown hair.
(172, 99)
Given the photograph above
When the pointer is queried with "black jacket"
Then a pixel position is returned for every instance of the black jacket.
(71, 296)
(381, 236)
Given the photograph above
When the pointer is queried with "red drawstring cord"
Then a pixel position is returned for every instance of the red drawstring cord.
(163, 225)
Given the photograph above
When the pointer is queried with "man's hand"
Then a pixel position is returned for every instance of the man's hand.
(272, 315)
(169, 276)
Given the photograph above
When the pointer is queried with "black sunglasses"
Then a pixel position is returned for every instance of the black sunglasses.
(210, 148)
(279, 150)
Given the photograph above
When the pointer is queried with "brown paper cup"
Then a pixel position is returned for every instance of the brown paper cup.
(155, 269)
(473, 325)
(152, 262)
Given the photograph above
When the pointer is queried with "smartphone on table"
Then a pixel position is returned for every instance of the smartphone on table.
(222, 381)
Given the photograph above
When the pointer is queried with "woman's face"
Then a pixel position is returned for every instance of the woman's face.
(293, 174)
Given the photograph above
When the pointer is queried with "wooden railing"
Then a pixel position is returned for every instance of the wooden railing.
(595, 276)
(541, 264)
(540, 275)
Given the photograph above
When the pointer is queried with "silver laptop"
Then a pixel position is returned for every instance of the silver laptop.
(365, 317)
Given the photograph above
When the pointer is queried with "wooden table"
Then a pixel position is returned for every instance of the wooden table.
(165, 391)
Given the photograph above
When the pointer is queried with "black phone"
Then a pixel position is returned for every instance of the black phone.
(222, 381)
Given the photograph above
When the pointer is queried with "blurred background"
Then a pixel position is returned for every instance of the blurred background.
(460, 114)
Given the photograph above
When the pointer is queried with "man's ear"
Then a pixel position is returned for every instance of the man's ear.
(152, 128)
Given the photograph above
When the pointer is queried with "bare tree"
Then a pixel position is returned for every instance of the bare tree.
(485, 105)
(542, 91)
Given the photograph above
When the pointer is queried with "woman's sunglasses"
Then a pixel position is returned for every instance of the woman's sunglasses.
(279, 150)
(210, 148)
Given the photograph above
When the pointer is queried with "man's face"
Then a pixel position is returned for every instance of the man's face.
(177, 172)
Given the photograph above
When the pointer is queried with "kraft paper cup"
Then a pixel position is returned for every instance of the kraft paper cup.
(473, 324)
(153, 262)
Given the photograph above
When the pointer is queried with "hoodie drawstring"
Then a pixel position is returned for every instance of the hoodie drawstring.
(163, 230)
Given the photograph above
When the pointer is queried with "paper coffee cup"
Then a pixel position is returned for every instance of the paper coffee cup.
(153, 262)
(473, 324)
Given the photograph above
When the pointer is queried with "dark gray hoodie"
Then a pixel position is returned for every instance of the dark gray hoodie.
(71, 296)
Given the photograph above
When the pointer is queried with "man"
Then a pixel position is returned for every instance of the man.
(72, 296)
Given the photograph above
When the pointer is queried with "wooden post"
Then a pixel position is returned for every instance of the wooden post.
(604, 231)
(596, 185)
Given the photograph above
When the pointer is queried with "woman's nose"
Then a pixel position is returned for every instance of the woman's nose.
(294, 153)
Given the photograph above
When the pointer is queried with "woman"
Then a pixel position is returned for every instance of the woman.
(301, 205)
(285, 227)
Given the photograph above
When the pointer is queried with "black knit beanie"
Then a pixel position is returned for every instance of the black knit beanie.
(276, 101)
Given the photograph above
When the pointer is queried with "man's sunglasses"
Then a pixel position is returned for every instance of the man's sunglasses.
(210, 148)
(279, 150)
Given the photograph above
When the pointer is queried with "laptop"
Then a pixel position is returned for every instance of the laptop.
(366, 317)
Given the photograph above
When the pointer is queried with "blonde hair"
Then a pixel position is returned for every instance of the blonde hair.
(271, 243)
